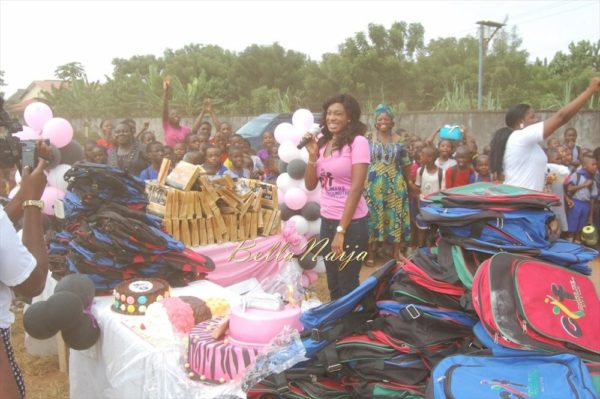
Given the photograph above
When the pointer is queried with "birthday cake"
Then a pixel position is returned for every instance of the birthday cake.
(132, 297)
(215, 357)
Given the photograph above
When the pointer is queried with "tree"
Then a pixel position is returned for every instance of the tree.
(70, 71)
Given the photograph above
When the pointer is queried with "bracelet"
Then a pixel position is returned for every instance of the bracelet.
(311, 162)
(36, 203)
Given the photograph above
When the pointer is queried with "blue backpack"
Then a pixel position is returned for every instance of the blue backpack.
(561, 376)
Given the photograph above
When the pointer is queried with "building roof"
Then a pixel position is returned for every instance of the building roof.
(23, 97)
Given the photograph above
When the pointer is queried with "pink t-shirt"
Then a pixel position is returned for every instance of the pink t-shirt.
(174, 135)
(335, 175)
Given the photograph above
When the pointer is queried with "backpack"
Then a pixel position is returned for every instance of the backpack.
(346, 315)
(466, 263)
(525, 303)
(538, 376)
(487, 195)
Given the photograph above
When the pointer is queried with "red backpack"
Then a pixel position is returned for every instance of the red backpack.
(525, 303)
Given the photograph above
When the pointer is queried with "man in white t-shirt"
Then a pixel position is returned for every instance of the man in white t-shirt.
(23, 267)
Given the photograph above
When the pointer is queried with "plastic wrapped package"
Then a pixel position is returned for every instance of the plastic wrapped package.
(287, 284)
(282, 353)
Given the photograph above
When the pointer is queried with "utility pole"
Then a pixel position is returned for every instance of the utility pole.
(483, 43)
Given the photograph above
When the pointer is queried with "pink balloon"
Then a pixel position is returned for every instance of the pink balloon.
(59, 131)
(13, 192)
(312, 275)
(305, 281)
(280, 197)
(295, 198)
(50, 195)
(37, 114)
(28, 134)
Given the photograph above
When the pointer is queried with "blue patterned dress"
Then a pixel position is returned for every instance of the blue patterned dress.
(387, 193)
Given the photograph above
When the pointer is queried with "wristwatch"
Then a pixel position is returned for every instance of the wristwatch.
(38, 203)
(340, 229)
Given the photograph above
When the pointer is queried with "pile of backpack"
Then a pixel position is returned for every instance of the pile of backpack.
(107, 235)
(498, 309)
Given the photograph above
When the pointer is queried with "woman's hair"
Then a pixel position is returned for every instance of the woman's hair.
(498, 144)
(515, 114)
(355, 126)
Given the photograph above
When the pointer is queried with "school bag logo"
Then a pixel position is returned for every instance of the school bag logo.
(507, 389)
(562, 302)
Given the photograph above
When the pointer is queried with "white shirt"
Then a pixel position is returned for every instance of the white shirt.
(16, 264)
(443, 165)
(524, 160)
(430, 183)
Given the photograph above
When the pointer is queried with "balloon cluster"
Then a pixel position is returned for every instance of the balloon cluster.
(42, 125)
(296, 203)
(66, 311)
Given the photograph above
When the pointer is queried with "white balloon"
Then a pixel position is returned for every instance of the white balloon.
(17, 177)
(287, 152)
(320, 267)
(285, 182)
(56, 177)
(314, 227)
(303, 119)
(297, 134)
(283, 132)
(301, 224)
(304, 154)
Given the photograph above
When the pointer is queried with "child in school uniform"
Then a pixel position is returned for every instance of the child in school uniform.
(583, 191)
(482, 170)
(461, 173)
(430, 179)
(556, 176)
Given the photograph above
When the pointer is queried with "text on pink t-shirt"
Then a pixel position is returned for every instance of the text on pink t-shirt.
(174, 135)
(335, 176)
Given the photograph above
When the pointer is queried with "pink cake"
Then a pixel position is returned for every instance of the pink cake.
(223, 360)
(257, 327)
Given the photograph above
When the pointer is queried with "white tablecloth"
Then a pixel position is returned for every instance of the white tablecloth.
(123, 365)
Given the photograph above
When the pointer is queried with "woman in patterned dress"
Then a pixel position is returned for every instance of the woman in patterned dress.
(386, 189)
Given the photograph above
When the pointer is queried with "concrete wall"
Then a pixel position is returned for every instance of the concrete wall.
(482, 125)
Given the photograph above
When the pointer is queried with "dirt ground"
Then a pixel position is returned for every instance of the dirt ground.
(45, 381)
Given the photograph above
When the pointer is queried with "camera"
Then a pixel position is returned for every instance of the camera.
(16, 152)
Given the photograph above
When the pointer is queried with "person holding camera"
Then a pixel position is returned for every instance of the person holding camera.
(23, 267)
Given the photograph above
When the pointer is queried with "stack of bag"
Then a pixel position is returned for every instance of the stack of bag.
(107, 234)
(475, 317)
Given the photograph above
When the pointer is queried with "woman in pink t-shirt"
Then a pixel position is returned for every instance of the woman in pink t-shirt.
(174, 132)
(338, 161)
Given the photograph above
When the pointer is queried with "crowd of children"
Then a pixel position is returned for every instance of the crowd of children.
(219, 154)
(572, 175)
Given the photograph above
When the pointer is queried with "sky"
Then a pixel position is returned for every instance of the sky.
(38, 36)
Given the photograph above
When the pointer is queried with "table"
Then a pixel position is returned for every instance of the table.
(122, 365)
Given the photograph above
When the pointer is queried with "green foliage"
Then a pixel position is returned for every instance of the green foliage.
(70, 71)
(391, 65)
